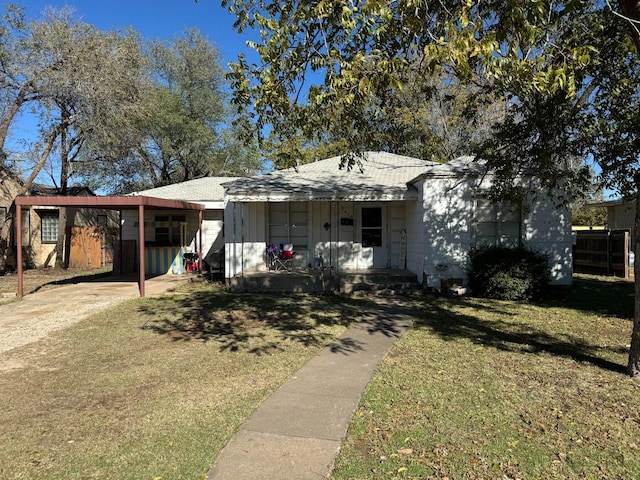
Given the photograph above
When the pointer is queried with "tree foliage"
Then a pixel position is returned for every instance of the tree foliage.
(567, 70)
(182, 126)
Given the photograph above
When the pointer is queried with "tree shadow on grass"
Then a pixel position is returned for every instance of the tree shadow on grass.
(256, 323)
(519, 337)
(607, 297)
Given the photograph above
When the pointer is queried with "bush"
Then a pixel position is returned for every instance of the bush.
(508, 273)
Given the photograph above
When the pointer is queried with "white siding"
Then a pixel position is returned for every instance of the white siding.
(245, 239)
(547, 229)
(129, 225)
(416, 231)
(396, 224)
(320, 237)
(448, 221)
(447, 205)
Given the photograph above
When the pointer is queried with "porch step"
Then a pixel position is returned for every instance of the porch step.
(382, 282)
(386, 283)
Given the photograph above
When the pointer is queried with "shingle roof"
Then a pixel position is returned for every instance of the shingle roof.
(383, 176)
(206, 189)
(458, 167)
(47, 190)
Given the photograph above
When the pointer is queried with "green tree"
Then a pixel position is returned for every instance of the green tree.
(182, 129)
(586, 216)
(77, 81)
(567, 72)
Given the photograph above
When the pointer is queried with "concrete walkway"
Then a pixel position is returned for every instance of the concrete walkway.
(296, 433)
(37, 314)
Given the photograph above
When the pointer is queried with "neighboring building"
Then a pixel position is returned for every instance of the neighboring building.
(89, 233)
(621, 214)
(396, 213)
(172, 234)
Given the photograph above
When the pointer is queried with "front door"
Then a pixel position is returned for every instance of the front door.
(373, 237)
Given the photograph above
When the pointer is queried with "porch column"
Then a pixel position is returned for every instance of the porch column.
(200, 219)
(18, 224)
(141, 248)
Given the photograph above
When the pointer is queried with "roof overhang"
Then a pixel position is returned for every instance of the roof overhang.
(112, 203)
(611, 203)
(352, 196)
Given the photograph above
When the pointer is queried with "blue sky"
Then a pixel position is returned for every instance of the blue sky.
(163, 19)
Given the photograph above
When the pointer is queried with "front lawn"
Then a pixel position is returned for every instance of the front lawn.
(154, 388)
(475, 389)
(484, 389)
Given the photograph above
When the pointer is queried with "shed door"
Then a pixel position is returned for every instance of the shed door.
(373, 236)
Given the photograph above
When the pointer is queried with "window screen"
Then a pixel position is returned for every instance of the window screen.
(371, 227)
(497, 223)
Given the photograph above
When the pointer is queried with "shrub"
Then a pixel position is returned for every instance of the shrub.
(508, 273)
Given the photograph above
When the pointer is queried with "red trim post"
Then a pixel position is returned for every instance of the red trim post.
(141, 248)
(18, 224)
(121, 242)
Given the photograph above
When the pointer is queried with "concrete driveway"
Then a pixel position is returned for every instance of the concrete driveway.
(38, 314)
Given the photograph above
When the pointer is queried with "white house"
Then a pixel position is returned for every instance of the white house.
(395, 212)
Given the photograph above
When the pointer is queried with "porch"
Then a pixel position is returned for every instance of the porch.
(325, 280)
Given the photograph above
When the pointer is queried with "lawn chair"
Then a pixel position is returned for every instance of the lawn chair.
(279, 257)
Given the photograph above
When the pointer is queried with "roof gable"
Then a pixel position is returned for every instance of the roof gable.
(383, 176)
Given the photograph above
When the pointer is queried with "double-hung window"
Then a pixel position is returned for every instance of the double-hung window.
(168, 230)
(288, 223)
(497, 223)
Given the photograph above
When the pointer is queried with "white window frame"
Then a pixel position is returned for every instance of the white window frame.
(289, 225)
(505, 217)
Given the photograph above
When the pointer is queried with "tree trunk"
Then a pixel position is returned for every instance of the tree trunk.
(62, 230)
(633, 368)
(631, 9)
(11, 113)
(64, 181)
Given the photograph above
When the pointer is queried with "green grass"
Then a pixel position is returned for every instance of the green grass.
(475, 389)
(154, 387)
(482, 389)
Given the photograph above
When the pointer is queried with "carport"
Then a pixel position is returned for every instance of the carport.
(119, 203)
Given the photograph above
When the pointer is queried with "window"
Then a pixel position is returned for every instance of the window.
(26, 227)
(168, 230)
(371, 227)
(497, 224)
(288, 223)
(49, 227)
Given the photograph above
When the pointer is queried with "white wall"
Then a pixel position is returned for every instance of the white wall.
(244, 237)
(448, 216)
(547, 229)
(416, 234)
(246, 232)
(447, 212)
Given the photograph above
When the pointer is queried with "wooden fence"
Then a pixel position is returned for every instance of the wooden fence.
(602, 252)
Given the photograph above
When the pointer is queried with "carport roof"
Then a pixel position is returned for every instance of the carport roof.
(109, 203)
